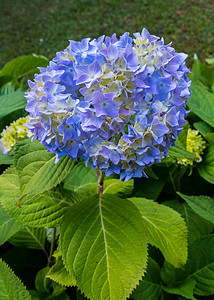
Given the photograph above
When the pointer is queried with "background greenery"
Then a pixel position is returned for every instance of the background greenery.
(44, 27)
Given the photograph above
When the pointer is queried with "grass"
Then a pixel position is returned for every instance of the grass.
(44, 27)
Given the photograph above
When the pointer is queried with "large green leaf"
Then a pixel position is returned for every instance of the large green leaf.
(197, 226)
(185, 289)
(202, 205)
(40, 210)
(59, 274)
(202, 103)
(104, 245)
(150, 287)
(37, 168)
(199, 267)
(11, 102)
(8, 226)
(206, 168)
(32, 238)
(166, 230)
(21, 66)
(11, 288)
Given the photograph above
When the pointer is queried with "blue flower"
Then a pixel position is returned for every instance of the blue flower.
(104, 104)
(117, 103)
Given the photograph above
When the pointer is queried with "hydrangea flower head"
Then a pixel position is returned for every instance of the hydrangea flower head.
(117, 103)
(194, 144)
(14, 133)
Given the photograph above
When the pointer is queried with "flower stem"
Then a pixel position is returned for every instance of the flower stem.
(101, 176)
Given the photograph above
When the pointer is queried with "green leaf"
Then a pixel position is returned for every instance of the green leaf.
(37, 168)
(185, 289)
(206, 131)
(11, 288)
(196, 69)
(9, 186)
(197, 226)
(104, 245)
(202, 205)
(42, 210)
(13, 116)
(116, 186)
(202, 72)
(8, 88)
(32, 238)
(203, 128)
(59, 274)
(179, 152)
(206, 168)
(202, 103)
(80, 178)
(166, 230)
(42, 283)
(8, 226)
(173, 276)
(202, 265)
(11, 102)
(199, 267)
(22, 66)
(39, 210)
(210, 137)
(207, 76)
(5, 159)
(150, 287)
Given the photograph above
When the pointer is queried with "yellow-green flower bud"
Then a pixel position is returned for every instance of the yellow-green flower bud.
(13, 133)
(194, 144)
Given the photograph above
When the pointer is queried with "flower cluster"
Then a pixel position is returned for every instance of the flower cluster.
(12, 134)
(117, 103)
(194, 144)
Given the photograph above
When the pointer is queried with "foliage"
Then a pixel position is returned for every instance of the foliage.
(142, 239)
